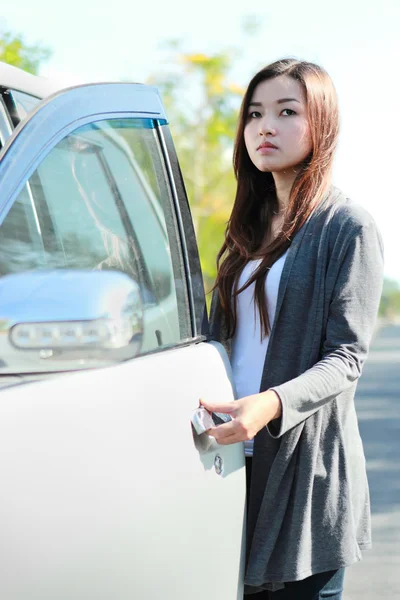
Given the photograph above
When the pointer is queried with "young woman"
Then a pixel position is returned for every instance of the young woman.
(297, 293)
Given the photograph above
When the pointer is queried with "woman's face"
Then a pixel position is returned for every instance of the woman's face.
(277, 132)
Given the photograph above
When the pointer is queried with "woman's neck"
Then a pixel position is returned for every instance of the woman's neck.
(283, 184)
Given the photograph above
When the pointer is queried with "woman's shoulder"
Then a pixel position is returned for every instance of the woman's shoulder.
(344, 214)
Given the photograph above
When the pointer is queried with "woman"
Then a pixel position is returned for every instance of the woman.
(297, 292)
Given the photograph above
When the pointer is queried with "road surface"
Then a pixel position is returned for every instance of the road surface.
(377, 576)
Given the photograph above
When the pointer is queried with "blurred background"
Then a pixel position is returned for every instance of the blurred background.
(202, 56)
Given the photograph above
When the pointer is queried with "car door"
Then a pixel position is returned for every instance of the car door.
(107, 492)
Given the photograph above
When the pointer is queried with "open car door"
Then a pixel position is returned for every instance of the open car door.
(107, 492)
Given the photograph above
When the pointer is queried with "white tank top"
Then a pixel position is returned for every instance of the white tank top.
(248, 350)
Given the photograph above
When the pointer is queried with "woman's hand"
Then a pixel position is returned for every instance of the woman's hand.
(249, 415)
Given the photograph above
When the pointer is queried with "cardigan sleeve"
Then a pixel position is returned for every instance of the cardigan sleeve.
(350, 325)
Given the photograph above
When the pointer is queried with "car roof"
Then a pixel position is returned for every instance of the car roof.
(17, 79)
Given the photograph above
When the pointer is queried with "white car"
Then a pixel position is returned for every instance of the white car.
(107, 490)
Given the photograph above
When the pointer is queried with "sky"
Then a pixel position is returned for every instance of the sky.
(357, 41)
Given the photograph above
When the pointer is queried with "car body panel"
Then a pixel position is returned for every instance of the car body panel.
(16, 79)
(107, 492)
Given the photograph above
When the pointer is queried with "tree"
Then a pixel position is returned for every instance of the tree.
(15, 51)
(390, 301)
(202, 102)
(202, 105)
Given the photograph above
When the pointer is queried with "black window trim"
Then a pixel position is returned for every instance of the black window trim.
(11, 104)
(196, 295)
(6, 127)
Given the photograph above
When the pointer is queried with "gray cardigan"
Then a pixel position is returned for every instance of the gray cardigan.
(309, 502)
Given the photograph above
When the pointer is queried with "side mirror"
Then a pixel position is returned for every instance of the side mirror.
(63, 320)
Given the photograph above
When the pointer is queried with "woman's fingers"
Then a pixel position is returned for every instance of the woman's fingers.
(221, 407)
(219, 432)
(249, 414)
(229, 433)
(231, 439)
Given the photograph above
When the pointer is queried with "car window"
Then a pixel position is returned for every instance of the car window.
(21, 245)
(101, 200)
(24, 103)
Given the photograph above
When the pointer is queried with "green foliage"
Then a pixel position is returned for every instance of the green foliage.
(390, 300)
(202, 105)
(15, 51)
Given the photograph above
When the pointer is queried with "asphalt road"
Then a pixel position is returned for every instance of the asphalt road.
(377, 576)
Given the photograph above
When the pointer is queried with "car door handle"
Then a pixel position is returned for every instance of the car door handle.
(202, 420)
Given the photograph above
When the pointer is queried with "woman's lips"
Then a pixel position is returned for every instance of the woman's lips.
(267, 149)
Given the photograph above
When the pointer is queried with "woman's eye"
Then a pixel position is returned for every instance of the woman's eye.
(288, 112)
(254, 114)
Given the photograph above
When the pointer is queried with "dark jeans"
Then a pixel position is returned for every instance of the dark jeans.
(328, 584)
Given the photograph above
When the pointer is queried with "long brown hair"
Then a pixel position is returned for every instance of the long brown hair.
(256, 200)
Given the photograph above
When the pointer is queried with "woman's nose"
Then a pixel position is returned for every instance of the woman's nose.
(267, 127)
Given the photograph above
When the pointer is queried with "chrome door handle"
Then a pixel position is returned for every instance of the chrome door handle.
(202, 420)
